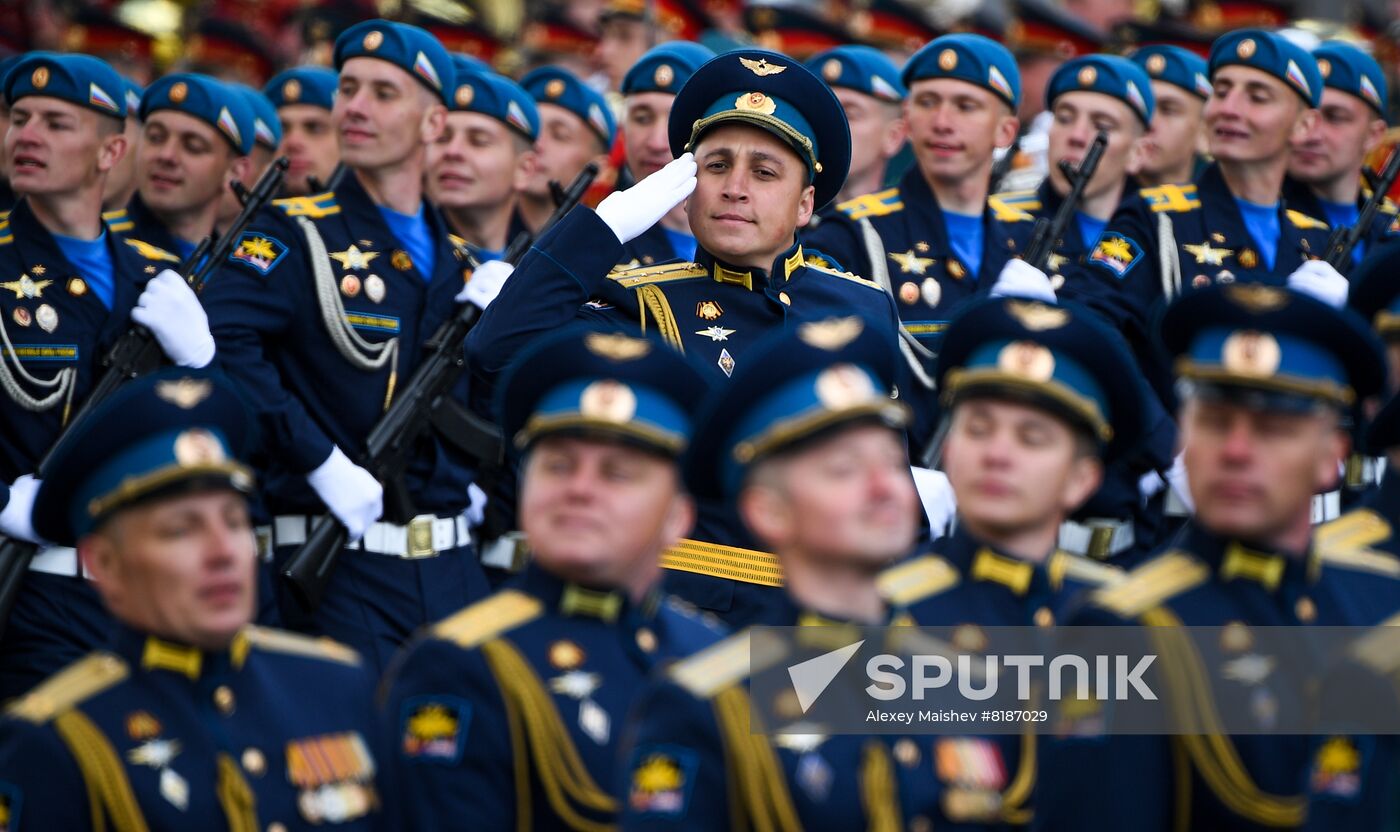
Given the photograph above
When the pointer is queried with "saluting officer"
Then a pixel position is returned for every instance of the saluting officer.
(197, 136)
(322, 310)
(933, 242)
(187, 718)
(1268, 372)
(649, 89)
(807, 442)
(1350, 125)
(483, 157)
(1180, 87)
(496, 707)
(1040, 398)
(75, 289)
(304, 97)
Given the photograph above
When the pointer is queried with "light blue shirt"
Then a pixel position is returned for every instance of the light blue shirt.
(94, 262)
(1344, 215)
(412, 232)
(965, 236)
(1262, 223)
(1090, 228)
(682, 244)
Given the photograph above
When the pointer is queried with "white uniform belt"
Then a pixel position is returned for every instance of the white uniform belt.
(1098, 538)
(1326, 507)
(57, 560)
(425, 536)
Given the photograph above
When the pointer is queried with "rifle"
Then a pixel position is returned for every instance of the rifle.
(1343, 240)
(1048, 231)
(424, 402)
(1042, 245)
(1003, 165)
(135, 353)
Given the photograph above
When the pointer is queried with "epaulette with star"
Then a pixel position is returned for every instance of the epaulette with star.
(1359, 528)
(1150, 585)
(664, 273)
(1014, 206)
(151, 252)
(489, 618)
(70, 687)
(916, 579)
(313, 207)
(878, 204)
(269, 640)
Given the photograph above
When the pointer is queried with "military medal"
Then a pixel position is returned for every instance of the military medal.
(174, 789)
(565, 654)
(27, 287)
(1248, 258)
(910, 263)
(931, 291)
(716, 333)
(77, 287)
(909, 292)
(46, 317)
(401, 260)
(22, 316)
(374, 288)
(352, 259)
(594, 721)
(350, 285)
(708, 310)
(726, 363)
(580, 685)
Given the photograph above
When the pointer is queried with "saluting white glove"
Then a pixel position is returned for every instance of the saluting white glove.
(1321, 281)
(170, 310)
(485, 283)
(17, 518)
(629, 213)
(1019, 279)
(351, 493)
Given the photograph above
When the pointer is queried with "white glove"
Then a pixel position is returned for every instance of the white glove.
(352, 494)
(171, 311)
(1321, 281)
(1019, 279)
(1176, 478)
(936, 494)
(485, 283)
(17, 519)
(629, 213)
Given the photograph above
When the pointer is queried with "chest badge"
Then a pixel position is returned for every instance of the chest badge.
(911, 263)
(708, 310)
(716, 333)
(352, 259)
(1207, 255)
(27, 287)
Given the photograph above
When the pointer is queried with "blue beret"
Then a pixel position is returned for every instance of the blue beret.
(134, 91)
(1175, 65)
(1108, 75)
(582, 380)
(78, 79)
(485, 92)
(1274, 340)
(165, 431)
(796, 384)
(410, 48)
(1061, 357)
(665, 68)
(1271, 53)
(553, 85)
(314, 85)
(975, 59)
(208, 100)
(267, 127)
(1346, 68)
(860, 68)
(773, 93)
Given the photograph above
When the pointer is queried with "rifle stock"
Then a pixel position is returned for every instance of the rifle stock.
(387, 447)
(1047, 230)
(1344, 240)
(135, 353)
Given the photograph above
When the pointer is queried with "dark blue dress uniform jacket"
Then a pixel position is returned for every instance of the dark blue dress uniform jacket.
(279, 729)
(1225, 782)
(509, 714)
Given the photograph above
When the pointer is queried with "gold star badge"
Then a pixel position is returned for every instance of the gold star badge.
(761, 67)
(1248, 258)
(27, 287)
(352, 258)
(38, 271)
(1207, 255)
(911, 263)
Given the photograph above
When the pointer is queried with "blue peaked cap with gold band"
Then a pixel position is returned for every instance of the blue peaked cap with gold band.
(864, 69)
(207, 99)
(558, 86)
(798, 385)
(408, 47)
(158, 435)
(772, 92)
(1175, 65)
(665, 68)
(267, 126)
(496, 96)
(78, 79)
(1290, 349)
(1060, 357)
(976, 59)
(586, 381)
(1346, 68)
(1107, 75)
(1273, 54)
(313, 85)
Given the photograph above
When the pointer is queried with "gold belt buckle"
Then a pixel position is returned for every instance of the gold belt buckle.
(420, 536)
(1100, 539)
